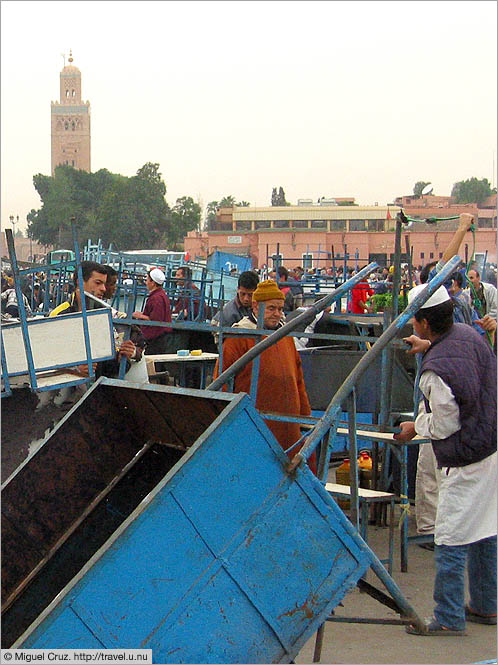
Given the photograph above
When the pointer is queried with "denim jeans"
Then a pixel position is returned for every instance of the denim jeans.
(449, 585)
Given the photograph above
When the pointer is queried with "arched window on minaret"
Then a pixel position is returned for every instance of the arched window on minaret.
(66, 125)
(73, 126)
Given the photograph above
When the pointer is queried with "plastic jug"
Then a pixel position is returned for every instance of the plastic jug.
(365, 468)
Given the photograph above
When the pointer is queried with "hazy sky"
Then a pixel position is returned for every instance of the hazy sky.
(327, 99)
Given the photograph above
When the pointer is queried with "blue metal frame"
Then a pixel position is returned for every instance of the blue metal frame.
(72, 315)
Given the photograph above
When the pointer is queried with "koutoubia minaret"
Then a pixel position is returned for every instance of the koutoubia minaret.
(70, 120)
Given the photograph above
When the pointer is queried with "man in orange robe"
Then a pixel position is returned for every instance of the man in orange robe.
(281, 386)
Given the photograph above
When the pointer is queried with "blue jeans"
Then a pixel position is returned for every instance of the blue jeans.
(449, 585)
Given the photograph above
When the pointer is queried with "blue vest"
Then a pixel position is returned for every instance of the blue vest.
(467, 364)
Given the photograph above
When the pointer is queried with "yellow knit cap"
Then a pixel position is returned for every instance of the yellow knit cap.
(267, 290)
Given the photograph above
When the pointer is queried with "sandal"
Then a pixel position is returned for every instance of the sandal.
(433, 627)
(489, 620)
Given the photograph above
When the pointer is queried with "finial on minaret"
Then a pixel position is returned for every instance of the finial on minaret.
(70, 55)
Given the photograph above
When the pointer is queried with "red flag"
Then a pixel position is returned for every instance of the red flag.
(388, 216)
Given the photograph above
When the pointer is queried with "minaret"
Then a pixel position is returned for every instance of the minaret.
(70, 120)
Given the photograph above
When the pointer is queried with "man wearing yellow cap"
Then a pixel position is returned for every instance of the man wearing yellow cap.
(281, 386)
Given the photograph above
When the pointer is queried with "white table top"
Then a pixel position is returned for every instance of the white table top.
(173, 358)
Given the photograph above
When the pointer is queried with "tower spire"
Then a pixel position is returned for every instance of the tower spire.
(70, 55)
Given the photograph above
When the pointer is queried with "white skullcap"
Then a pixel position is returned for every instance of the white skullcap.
(157, 276)
(439, 296)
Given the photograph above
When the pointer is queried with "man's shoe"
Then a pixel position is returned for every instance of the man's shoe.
(432, 628)
(489, 620)
(427, 546)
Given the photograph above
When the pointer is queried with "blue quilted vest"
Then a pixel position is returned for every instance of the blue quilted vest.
(467, 364)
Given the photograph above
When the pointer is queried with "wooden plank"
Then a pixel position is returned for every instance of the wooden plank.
(364, 493)
(388, 437)
(173, 358)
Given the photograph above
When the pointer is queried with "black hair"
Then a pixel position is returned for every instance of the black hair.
(283, 272)
(439, 317)
(248, 280)
(187, 272)
(424, 273)
(87, 267)
(109, 271)
(458, 278)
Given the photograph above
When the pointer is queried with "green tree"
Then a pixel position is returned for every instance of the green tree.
(278, 198)
(243, 204)
(132, 213)
(185, 217)
(472, 190)
(227, 202)
(419, 186)
(211, 209)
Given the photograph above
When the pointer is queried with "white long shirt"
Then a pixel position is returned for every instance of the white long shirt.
(467, 505)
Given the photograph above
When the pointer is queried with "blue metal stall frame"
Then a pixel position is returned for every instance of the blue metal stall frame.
(264, 569)
(326, 428)
(24, 324)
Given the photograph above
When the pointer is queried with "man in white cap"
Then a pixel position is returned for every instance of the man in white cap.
(157, 308)
(458, 414)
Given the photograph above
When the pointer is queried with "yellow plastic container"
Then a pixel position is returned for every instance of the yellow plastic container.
(365, 464)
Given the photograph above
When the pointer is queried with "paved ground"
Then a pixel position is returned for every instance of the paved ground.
(369, 643)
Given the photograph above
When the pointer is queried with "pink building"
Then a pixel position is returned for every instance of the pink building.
(309, 236)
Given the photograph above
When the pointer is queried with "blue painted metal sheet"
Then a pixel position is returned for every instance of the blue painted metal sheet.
(225, 261)
(227, 560)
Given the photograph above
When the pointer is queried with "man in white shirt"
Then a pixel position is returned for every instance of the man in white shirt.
(458, 414)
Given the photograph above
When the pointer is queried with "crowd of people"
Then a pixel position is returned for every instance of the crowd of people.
(455, 331)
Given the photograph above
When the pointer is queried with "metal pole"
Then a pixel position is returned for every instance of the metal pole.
(343, 392)
(353, 460)
(397, 268)
(9, 236)
(409, 253)
(272, 339)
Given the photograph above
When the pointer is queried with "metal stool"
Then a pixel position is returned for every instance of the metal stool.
(365, 498)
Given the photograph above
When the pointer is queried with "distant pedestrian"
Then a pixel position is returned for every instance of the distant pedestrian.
(157, 308)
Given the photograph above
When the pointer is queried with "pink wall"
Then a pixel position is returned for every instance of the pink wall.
(294, 244)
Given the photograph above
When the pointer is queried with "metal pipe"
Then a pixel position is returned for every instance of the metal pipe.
(397, 268)
(277, 335)
(21, 309)
(343, 392)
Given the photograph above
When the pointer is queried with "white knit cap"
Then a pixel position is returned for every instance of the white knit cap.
(439, 296)
(157, 276)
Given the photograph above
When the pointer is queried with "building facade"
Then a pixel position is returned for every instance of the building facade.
(311, 235)
(70, 122)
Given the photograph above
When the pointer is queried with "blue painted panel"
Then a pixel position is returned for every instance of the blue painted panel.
(224, 261)
(341, 442)
(145, 576)
(284, 582)
(64, 630)
(235, 471)
(219, 626)
(229, 560)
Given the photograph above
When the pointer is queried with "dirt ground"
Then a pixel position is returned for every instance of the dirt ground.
(371, 643)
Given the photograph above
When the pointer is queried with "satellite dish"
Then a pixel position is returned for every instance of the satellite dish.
(427, 190)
